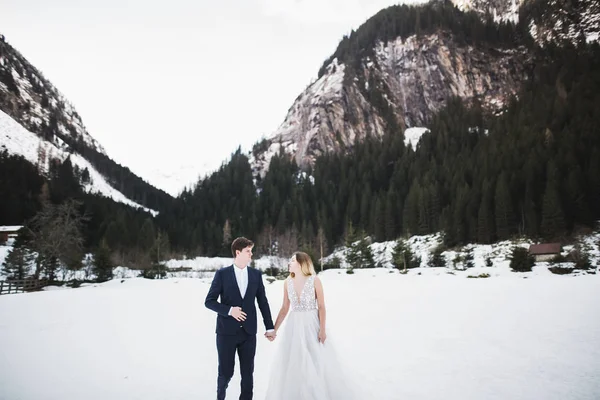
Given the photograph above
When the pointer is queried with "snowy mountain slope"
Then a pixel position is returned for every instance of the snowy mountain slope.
(19, 141)
(29, 98)
(34, 103)
(500, 10)
(562, 21)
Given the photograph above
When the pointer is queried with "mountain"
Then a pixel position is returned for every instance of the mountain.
(38, 123)
(403, 65)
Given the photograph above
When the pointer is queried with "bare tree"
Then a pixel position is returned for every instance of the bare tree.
(88, 266)
(288, 242)
(322, 242)
(265, 240)
(56, 232)
(161, 246)
(227, 234)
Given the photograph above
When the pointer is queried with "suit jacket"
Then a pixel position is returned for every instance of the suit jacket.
(225, 285)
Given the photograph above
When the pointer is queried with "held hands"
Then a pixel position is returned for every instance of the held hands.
(238, 314)
(271, 335)
(322, 336)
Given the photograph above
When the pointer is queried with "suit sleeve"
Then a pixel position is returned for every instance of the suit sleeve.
(263, 303)
(211, 302)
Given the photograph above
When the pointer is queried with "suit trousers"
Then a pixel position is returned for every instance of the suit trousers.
(227, 345)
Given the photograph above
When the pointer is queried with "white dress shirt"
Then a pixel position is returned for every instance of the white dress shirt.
(241, 275)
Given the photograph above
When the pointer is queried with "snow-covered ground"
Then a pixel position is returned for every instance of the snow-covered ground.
(401, 337)
(498, 253)
(413, 135)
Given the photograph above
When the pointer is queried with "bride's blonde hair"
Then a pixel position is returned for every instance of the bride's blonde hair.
(306, 264)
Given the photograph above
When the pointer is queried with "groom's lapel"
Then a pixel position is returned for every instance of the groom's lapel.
(232, 274)
(236, 287)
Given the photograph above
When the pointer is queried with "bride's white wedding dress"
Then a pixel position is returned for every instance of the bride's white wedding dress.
(304, 368)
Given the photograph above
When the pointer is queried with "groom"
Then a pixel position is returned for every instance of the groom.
(239, 286)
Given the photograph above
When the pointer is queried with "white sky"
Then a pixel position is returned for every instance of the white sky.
(173, 88)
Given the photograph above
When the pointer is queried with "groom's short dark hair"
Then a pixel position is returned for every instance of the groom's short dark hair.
(240, 244)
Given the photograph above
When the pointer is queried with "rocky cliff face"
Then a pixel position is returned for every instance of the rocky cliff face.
(421, 73)
(327, 116)
(416, 77)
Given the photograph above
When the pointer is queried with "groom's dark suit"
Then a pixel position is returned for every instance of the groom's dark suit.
(233, 335)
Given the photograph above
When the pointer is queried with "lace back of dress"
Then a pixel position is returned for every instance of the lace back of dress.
(305, 301)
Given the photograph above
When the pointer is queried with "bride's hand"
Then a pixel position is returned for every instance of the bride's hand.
(322, 336)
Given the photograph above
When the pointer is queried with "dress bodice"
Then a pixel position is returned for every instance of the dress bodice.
(305, 301)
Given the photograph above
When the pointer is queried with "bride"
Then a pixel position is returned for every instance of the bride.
(306, 365)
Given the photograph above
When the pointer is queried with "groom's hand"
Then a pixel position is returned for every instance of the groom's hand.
(238, 314)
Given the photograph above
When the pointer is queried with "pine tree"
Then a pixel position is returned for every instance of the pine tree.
(64, 183)
(411, 211)
(117, 234)
(593, 178)
(520, 260)
(434, 208)
(403, 257)
(17, 262)
(353, 211)
(147, 235)
(577, 201)
(437, 259)
(459, 217)
(529, 213)
(390, 215)
(360, 255)
(365, 209)
(423, 215)
(380, 220)
(350, 234)
(553, 219)
(485, 227)
(50, 265)
(103, 266)
(282, 220)
(469, 259)
(504, 211)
